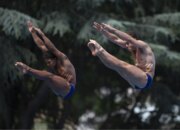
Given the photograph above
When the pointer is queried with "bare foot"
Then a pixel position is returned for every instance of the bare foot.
(94, 47)
(22, 67)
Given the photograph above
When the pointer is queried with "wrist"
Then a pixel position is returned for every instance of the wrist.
(28, 69)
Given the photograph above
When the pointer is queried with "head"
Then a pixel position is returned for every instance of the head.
(50, 59)
(130, 46)
(134, 34)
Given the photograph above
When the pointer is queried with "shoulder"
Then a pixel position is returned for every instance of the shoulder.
(142, 44)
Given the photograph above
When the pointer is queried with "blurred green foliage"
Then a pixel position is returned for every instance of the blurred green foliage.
(27, 103)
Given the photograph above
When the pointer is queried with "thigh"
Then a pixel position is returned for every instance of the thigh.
(59, 84)
(133, 74)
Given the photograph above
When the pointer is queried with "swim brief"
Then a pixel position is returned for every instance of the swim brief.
(148, 84)
(71, 91)
(69, 94)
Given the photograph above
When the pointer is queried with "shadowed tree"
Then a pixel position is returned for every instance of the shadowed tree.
(24, 100)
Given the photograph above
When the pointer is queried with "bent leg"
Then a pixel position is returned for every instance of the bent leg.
(132, 74)
(57, 83)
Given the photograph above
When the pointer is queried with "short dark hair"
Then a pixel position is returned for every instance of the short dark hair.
(49, 55)
(134, 34)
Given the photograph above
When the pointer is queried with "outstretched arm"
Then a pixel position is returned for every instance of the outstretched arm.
(50, 45)
(36, 38)
(112, 37)
(122, 35)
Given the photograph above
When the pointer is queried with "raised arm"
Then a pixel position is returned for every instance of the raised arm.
(112, 37)
(122, 35)
(50, 46)
(36, 38)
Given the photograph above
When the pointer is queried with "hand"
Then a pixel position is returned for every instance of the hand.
(22, 67)
(105, 26)
(101, 27)
(98, 26)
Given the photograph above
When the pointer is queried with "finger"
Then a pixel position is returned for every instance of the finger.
(98, 25)
(98, 28)
(21, 64)
(95, 23)
(17, 63)
(91, 40)
(105, 25)
(29, 23)
(95, 26)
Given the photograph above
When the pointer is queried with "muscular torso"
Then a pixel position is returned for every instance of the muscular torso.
(66, 70)
(145, 60)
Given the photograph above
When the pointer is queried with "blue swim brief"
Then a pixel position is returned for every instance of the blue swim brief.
(69, 94)
(148, 84)
(71, 91)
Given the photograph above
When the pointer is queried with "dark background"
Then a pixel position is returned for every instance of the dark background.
(103, 100)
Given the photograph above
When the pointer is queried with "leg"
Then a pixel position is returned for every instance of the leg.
(132, 74)
(57, 83)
